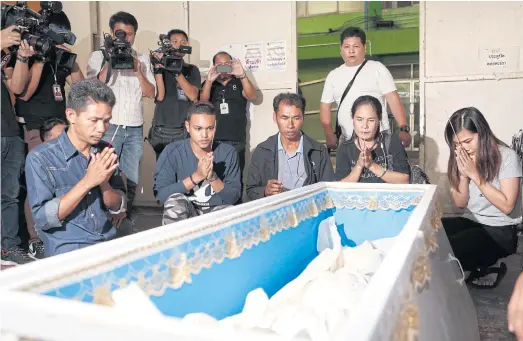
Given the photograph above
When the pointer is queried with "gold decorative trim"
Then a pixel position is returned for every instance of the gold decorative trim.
(180, 273)
(229, 242)
(375, 201)
(421, 272)
(102, 295)
(407, 325)
(329, 204)
(437, 214)
(431, 240)
(178, 263)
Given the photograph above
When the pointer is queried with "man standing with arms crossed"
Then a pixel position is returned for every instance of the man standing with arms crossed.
(369, 78)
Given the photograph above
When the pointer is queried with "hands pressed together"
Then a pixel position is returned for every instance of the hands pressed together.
(205, 168)
(365, 160)
(466, 164)
(101, 167)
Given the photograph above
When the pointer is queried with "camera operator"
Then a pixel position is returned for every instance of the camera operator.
(42, 98)
(129, 86)
(229, 92)
(176, 91)
(13, 149)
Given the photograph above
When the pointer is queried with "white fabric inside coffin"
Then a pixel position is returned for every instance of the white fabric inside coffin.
(313, 305)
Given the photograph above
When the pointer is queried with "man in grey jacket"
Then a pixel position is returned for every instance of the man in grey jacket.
(289, 159)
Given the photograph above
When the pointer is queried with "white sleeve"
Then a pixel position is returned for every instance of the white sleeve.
(328, 90)
(94, 64)
(385, 80)
(510, 164)
(146, 69)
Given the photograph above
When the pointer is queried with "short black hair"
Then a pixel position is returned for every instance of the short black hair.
(200, 107)
(48, 126)
(219, 53)
(177, 31)
(350, 32)
(85, 92)
(289, 98)
(124, 18)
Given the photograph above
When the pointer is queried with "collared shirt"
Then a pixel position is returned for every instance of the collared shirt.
(291, 168)
(52, 170)
(128, 110)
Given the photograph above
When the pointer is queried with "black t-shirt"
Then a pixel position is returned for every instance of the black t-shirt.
(231, 126)
(10, 126)
(395, 158)
(172, 111)
(42, 105)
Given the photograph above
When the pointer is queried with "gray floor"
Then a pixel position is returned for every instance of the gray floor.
(491, 305)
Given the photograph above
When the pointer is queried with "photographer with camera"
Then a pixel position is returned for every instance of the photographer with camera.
(42, 98)
(13, 149)
(128, 73)
(228, 88)
(178, 85)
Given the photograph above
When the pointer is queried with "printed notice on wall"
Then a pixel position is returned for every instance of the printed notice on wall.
(276, 55)
(253, 53)
(505, 57)
(496, 58)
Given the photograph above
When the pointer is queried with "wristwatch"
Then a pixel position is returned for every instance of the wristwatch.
(405, 128)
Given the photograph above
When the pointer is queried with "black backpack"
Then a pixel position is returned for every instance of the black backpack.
(417, 175)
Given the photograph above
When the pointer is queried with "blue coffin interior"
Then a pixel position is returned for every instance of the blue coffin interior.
(220, 291)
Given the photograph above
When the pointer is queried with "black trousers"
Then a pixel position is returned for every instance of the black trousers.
(477, 245)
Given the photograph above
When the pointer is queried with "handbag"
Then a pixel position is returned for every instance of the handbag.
(160, 136)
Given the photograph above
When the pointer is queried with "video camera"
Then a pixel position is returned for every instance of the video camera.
(39, 32)
(118, 51)
(170, 60)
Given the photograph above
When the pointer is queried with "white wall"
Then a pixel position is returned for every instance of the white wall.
(455, 38)
(210, 25)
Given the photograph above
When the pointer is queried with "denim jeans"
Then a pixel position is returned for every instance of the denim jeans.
(13, 159)
(32, 139)
(128, 145)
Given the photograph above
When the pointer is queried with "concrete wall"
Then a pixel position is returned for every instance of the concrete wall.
(241, 22)
(456, 39)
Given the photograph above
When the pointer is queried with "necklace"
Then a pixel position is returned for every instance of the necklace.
(371, 148)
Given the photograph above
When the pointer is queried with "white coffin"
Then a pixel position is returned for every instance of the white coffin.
(209, 264)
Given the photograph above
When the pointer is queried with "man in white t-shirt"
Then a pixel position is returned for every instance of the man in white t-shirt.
(374, 79)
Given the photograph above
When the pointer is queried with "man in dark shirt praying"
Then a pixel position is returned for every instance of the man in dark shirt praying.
(196, 176)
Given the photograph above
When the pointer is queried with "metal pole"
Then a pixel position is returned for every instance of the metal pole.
(366, 14)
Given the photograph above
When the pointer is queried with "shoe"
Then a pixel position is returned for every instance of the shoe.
(15, 257)
(36, 250)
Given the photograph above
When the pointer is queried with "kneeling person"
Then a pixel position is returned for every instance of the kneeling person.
(196, 176)
(289, 159)
(71, 179)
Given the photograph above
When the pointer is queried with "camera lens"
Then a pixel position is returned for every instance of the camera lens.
(38, 43)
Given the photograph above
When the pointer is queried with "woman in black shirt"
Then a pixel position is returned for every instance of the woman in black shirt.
(370, 156)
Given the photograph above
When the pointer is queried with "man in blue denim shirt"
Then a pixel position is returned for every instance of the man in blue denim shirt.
(71, 180)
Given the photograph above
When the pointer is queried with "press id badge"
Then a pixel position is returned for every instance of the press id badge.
(57, 92)
(224, 108)
(181, 95)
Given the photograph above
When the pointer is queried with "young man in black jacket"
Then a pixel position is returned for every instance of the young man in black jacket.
(289, 159)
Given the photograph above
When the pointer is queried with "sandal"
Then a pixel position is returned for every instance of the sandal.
(501, 271)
